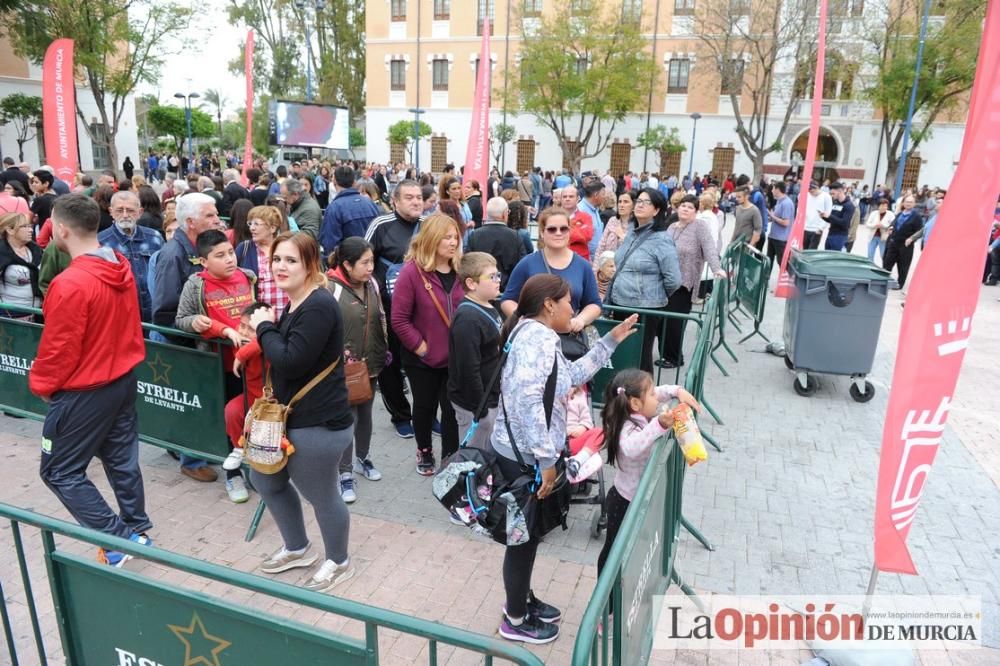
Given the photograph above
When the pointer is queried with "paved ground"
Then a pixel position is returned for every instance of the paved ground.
(788, 506)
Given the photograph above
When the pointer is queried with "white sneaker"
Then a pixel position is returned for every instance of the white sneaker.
(234, 460)
(236, 488)
(284, 559)
(365, 468)
(329, 575)
(347, 488)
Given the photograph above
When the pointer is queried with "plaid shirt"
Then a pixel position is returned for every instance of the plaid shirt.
(267, 290)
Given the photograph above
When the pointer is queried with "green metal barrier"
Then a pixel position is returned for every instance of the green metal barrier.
(751, 288)
(113, 616)
(626, 355)
(658, 318)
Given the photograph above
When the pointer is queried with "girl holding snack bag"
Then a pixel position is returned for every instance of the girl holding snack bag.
(634, 416)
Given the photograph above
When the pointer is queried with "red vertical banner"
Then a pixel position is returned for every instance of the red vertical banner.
(937, 321)
(477, 153)
(248, 72)
(59, 109)
(785, 286)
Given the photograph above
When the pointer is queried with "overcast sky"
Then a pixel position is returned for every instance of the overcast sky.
(202, 61)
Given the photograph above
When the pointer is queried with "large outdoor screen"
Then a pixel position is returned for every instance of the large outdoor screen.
(316, 125)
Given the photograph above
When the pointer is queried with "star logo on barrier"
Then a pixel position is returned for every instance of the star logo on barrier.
(6, 341)
(197, 644)
(160, 369)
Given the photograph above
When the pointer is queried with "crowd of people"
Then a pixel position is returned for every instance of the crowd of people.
(412, 282)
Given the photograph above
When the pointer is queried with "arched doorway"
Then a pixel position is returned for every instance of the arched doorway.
(827, 154)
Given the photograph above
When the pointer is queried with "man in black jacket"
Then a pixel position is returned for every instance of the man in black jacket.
(232, 192)
(840, 218)
(497, 239)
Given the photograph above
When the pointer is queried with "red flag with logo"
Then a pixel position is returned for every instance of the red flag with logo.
(248, 72)
(785, 286)
(477, 152)
(59, 109)
(937, 321)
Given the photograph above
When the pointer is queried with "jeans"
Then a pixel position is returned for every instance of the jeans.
(835, 242)
(876, 243)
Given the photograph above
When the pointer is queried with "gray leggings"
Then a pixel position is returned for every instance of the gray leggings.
(313, 471)
(362, 436)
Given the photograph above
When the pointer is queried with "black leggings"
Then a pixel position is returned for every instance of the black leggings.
(650, 331)
(616, 506)
(680, 301)
(429, 387)
(518, 561)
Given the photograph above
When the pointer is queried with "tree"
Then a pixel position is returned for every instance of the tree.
(401, 133)
(581, 72)
(500, 135)
(665, 141)
(355, 139)
(118, 45)
(170, 121)
(752, 43)
(214, 98)
(949, 67)
(276, 51)
(23, 112)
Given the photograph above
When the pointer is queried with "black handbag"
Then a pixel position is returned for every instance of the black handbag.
(574, 345)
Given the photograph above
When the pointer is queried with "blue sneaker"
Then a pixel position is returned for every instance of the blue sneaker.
(436, 428)
(531, 630)
(404, 430)
(117, 558)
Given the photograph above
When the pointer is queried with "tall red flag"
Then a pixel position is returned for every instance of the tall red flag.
(477, 153)
(937, 321)
(248, 72)
(59, 109)
(785, 286)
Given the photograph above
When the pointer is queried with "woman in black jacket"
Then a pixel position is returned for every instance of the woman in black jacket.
(474, 200)
(20, 258)
(307, 340)
(898, 252)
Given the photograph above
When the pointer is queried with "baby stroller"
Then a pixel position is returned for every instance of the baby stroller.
(581, 492)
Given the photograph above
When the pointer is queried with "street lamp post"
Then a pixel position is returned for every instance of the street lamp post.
(302, 6)
(187, 117)
(694, 132)
(416, 111)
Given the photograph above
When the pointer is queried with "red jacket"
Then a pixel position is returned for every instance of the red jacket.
(93, 333)
(581, 231)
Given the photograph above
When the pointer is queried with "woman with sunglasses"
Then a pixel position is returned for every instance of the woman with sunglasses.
(557, 258)
(647, 269)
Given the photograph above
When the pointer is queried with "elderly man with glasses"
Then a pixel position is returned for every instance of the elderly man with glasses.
(135, 242)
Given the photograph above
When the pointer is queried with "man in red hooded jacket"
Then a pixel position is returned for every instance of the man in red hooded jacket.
(91, 343)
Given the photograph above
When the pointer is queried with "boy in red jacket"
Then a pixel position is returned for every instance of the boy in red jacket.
(90, 345)
(211, 304)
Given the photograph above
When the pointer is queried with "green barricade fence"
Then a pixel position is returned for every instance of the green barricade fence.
(751, 286)
(626, 355)
(114, 616)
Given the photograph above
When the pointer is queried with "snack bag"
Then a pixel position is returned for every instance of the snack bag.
(688, 435)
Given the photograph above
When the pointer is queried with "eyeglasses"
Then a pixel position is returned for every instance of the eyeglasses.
(643, 202)
(556, 230)
(124, 211)
(493, 277)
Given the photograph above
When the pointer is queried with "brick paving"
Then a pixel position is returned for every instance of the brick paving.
(788, 506)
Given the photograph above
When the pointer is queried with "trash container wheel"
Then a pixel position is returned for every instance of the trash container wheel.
(862, 397)
(788, 363)
(597, 525)
(808, 389)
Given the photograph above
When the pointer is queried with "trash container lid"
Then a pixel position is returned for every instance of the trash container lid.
(828, 264)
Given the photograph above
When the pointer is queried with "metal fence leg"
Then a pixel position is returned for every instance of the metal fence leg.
(711, 440)
(7, 629)
(721, 368)
(255, 522)
(697, 534)
(686, 589)
(708, 407)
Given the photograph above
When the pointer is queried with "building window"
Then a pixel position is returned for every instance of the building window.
(851, 8)
(99, 146)
(440, 68)
(532, 8)
(581, 66)
(621, 153)
(683, 7)
(397, 75)
(398, 10)
(632, 10)
(911, 172)
(722, 162)
(439, 153)
(580, 6)
(525, 155)
(732, 77)
(677, 79)
(483, 4)
(442, 10)
(739, 7)
(397, 152)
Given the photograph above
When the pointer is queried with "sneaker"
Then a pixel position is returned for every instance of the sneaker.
(531, 630)
(284, 559)
(404, 430)
(456, 519)
(234, 460)
(544, 612)
(347, 488)
(329, 575)
(425, 462)
(365, 468)
(436, 428)
(236, 488)
(117, 558)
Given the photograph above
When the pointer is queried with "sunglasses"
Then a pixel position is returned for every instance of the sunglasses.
(556, 230)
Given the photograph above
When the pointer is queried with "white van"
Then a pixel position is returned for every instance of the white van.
(285, 156)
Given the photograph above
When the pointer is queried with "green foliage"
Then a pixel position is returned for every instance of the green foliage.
(661, 139)
(277, 64)
(170, 121)
(401, 132)
(356, 137)
(118, 45)
(582, 72)
(500, 135)
(23, 112)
